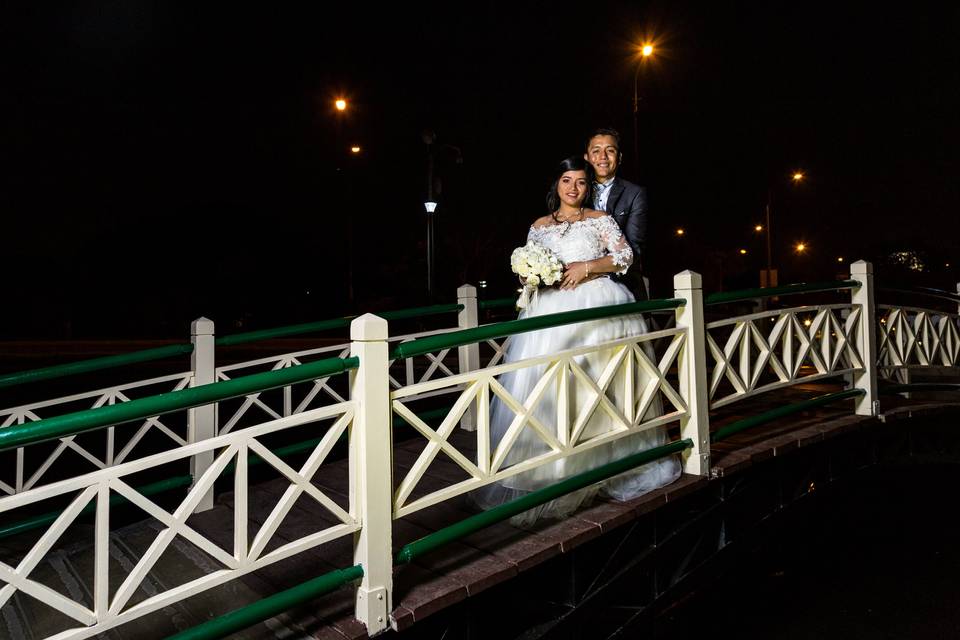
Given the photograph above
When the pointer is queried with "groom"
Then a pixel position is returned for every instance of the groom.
(623, 200)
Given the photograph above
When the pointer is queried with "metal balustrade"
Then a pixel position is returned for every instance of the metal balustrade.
(748, 355)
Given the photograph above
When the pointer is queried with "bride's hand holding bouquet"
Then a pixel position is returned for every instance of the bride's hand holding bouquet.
(536, 265)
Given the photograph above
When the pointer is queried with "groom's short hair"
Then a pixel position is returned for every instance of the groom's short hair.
(606, 131)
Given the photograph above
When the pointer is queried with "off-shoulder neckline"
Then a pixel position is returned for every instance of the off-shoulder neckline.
(560, 224)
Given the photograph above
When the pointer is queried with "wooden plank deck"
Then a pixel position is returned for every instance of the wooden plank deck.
(429, 584)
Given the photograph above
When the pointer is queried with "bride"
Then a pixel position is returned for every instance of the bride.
(591, 246)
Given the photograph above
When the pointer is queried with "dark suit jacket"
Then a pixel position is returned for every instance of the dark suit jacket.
(627, 203)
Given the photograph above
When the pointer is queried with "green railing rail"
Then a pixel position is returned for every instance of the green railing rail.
(923, 291)
(786, 290)
(334, 323)
(81, 421)
(160, 353)
(507, 510)
(452, 339)
(271, 606)
(93, 364)
(781, 412)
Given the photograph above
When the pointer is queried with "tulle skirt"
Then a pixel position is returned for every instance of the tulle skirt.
(520, 384)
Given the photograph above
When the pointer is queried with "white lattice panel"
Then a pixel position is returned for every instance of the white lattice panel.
(114, 604)
(765, 351)
(562, 378)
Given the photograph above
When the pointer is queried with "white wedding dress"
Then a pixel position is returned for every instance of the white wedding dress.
(587, 239)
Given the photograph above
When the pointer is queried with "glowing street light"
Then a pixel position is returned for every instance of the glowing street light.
(355, 149)
(758, 228)
(680, 232)
(797, 176)
(840, 259)
(801, 247)
(340, 104)
(645, 50)
(743, 252)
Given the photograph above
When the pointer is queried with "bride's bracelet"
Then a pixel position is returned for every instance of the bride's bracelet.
(588, 267)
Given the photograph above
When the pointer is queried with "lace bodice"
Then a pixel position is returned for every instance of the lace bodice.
(586, 239)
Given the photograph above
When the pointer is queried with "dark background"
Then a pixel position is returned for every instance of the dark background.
(169, 160)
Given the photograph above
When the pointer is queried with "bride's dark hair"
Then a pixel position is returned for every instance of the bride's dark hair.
(573, 163)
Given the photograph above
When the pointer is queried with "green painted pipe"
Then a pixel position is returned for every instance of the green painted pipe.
(919, 386)
(430, 344)
(780, 412)
(80, 421)
(502, 512)
(44, 519)
(924, 291)
(94, 364)
(270, 606)
(333, 323)
(786, 290)
(496, 303)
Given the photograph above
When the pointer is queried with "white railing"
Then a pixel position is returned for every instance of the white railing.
(246, 553)
(112, 446)
(751, 354)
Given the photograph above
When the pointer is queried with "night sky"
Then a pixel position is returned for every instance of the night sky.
(166, 161)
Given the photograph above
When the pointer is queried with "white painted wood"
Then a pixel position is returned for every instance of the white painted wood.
(866, 378)
(692, 366)
(202, 421)
(468, 355)
(370, 390)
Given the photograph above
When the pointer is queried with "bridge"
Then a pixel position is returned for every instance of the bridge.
(323, 492)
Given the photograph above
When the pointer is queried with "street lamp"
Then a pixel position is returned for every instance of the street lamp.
(646, 50)
(430, 204)
(769, 277)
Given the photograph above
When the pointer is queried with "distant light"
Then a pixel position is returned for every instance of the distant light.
(680, 232)
(798, 176)
(341, 104)
(483, 284)
(743, 252)
(801, 247)
(759, 227)
(646, 50)
(840, 259)
(807, 322)
(354, 149)
(430, 206)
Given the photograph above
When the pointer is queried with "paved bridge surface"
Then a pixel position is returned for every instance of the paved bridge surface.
(433, 583)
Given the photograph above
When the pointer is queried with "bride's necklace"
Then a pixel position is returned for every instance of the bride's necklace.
(566, 223)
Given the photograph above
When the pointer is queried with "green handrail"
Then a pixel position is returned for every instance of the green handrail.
(270, 606)
(923, 291)
(501, 512)
(81, 421)
(93, 364)
(786, 290)
(496, 303)
(780, 412)
(452, 339)
(333, 323)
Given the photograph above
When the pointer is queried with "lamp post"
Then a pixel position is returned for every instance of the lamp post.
(432, 196)
(646, 51)
(769, 277)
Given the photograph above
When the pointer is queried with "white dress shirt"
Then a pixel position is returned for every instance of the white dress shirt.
(601, 190)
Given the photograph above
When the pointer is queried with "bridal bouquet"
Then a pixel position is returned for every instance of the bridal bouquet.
(536, 265)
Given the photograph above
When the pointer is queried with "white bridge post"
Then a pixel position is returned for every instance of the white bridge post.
(863, 297)
(202, 421)
(371, 465)
(692, 369)
(469, 355)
